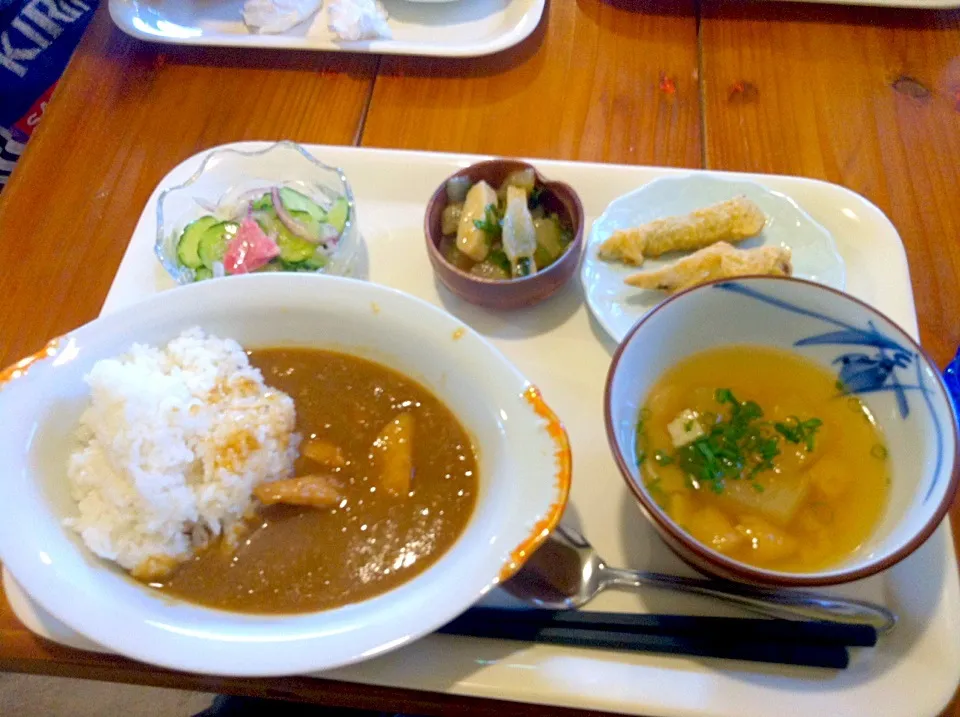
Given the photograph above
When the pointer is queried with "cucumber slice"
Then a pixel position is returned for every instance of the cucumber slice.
(271, 224)
(202, 273)
(308, 221)
(293, 249)
(214, 241)
(317, 261)
(268, 221)
(190, 240)
(338, 214)
(296, 254)
(295, 202)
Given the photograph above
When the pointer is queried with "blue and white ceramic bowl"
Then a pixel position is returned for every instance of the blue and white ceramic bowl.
(873, 358)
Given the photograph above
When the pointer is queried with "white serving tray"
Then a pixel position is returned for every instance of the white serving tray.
(913, 672)
(465, 28)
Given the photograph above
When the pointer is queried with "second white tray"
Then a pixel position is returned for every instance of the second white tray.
(913, 672)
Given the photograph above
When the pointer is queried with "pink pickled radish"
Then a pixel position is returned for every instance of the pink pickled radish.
(249, 249)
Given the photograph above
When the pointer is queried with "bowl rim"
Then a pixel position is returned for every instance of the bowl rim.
(744, 572)
(433, 248)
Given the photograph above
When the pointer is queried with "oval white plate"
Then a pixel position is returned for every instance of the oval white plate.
(617, 306)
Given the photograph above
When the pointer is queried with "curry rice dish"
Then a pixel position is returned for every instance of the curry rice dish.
(278, 480)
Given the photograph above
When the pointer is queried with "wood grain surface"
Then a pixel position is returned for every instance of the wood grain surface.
(123, 115)
(596, 81)
(865, 98)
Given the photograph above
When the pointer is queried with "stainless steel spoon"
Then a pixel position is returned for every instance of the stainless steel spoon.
(567, 572)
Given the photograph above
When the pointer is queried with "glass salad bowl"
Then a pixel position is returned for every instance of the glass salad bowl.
(273, 209)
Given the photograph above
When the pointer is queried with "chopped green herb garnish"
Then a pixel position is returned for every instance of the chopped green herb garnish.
(566, 233)
(662, 458)
(533, 201)
(740, 446)
(724, 395)
(642, 440)
(500, 259)
(655, 490)
(262, 204)
(524, 266)
(840, 387)
(737, 446)
(766, 449)
(797, 431)
(490, 224)
(879, 451)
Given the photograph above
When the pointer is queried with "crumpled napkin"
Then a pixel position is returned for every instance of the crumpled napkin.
(273, 16)
(352, 20)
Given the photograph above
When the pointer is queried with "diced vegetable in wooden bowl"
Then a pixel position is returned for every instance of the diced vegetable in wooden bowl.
(500, 235)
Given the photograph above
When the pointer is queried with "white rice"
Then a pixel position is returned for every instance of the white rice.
(173, 443)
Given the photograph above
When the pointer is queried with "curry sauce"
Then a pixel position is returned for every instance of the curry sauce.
(298, 559)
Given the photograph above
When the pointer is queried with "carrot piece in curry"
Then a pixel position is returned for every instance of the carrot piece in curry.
(393, 453)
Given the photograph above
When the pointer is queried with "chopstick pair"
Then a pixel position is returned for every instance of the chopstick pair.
(785, 642)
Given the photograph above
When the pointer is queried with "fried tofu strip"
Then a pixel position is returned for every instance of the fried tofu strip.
(313, 490)
(732, 221)
(720, 261)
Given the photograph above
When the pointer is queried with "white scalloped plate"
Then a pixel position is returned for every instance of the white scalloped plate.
(617, 306)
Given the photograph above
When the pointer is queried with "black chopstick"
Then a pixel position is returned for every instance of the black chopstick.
(717, 628)
(771, 652)
(786, 642)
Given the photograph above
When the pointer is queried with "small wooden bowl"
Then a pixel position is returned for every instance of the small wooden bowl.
(510, 293)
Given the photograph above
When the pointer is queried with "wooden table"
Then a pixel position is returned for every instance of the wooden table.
(866, 98)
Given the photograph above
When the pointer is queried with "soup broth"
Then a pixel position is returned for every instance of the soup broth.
(760, 455)
(302, 559)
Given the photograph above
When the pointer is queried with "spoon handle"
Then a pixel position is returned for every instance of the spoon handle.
(775, 603)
